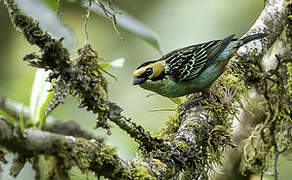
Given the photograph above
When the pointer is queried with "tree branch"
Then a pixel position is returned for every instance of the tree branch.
(187, 149)
(19, 111)
(272, 21)
(85, 154)
(198, 124)
(251, 155)
(56, 58)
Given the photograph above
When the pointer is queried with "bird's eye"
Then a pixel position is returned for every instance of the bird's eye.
(149, 71)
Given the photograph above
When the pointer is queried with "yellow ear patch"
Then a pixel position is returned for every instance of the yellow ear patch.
(157, 69)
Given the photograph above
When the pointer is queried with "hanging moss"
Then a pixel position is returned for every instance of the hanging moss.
(289, 82)
(257, 150)
(103, 161)
(138, 173)
(271, 134)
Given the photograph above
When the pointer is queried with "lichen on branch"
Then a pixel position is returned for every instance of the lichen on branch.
(193, 142)
(69, 77)
(85, 154)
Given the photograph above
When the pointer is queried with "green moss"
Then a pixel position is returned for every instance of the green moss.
(223, 103)
(103, 161)
(171, 126)
(56, 169)
(138, 173)
(287, 4)
(107, 156)
(90, 85)
(257, 149)
(289, 82)
(270, 132)
(54, 53)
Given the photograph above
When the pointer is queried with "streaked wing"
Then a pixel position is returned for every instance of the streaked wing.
(187, 63)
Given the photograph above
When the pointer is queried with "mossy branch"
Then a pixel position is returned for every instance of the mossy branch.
(206, 125)
(85, 154)
(18, 111)
(264, 126)
(74, 77)
(194, 141)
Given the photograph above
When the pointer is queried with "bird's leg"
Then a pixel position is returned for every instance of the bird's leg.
(206, 94)
(193, 100)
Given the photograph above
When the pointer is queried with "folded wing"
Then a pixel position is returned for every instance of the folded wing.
(187, 63)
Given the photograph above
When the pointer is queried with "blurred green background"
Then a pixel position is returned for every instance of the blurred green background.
(177, 23)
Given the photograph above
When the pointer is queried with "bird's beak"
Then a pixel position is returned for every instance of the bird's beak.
(139, 80)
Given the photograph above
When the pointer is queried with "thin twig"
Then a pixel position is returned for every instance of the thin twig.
(111, 15)
(36, 167)
(87, 16)
(59, 13)
(276, 162)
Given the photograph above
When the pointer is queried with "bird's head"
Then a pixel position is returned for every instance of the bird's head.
(151, 70)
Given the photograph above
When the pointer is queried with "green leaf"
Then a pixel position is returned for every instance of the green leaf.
(105, 65)
(21, 120)
(48, 21)
(162, 110)
(7, 116)
(176, 100)
(40, 97)
(131, 24)
(43, 109)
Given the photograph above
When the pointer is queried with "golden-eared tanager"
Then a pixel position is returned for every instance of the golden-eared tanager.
(189, 69)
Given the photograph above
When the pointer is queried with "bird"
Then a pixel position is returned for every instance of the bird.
(190, 69)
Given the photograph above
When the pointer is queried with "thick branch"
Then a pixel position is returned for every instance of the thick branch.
(277, 24)
(197, 123)
(85, 154)
(271, 21)
(204, 129)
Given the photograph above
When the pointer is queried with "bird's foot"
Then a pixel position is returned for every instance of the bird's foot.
(193, 101)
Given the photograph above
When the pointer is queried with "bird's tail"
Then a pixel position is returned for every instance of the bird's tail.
(252, 37)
